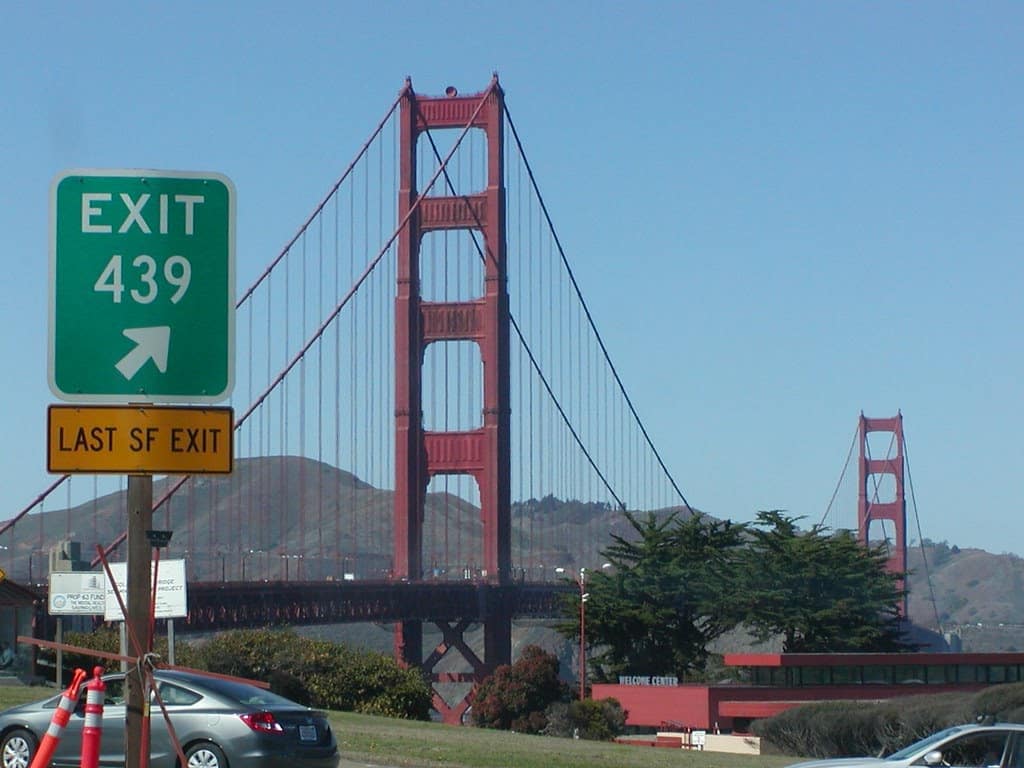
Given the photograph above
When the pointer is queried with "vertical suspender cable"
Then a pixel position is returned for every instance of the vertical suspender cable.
(283, 394)
(336, 376)
(920, 538)
(604, 351)
(380, 423)
(356, 532)
(320, 279)
(367, 363)
(301, 453)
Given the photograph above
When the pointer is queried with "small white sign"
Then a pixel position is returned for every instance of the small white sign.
(171, 597)
(77, 593)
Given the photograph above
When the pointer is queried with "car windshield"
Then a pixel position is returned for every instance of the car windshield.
(924, 743)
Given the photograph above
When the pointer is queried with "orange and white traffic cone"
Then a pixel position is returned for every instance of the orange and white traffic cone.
(58, 722)
(92, 730)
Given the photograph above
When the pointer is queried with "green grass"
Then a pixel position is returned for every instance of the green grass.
(386, 741)
(12, 695)
(431, 745)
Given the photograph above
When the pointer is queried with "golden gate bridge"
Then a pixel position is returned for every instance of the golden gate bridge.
(429, 423)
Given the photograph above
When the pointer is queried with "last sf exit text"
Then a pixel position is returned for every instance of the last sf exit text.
(140, 439)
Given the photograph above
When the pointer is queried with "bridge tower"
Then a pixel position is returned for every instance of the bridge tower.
(484, 453)
(877, 474)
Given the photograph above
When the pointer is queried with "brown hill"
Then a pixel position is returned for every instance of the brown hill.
(254, 515)
(977, 595)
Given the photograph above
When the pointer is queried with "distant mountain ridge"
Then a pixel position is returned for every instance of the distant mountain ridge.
(250, 520)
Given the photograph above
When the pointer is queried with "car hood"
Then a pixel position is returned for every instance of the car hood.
(841, 762)
(32, 706)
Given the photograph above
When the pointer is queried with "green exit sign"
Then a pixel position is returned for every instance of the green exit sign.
(142, 286)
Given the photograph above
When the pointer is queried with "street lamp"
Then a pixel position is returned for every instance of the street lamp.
(31, 555)
(286, 558)
(246, 556)
(222, 552)
(581, 582)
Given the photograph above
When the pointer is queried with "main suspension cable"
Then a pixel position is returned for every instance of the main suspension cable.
(586, 310)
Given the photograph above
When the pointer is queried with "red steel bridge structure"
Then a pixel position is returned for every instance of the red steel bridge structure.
(429, 428)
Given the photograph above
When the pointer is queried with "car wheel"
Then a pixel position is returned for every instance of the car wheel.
(17, 748)
(205, 755)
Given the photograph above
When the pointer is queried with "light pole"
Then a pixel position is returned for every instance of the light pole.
(581, 582)
(31, 555)
(246, 556)
(286, 558)
(222, 552)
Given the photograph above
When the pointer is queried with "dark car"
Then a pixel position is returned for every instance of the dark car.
(963, 746)
(219, 723)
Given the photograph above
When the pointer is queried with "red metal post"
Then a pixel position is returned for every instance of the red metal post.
(869, 507)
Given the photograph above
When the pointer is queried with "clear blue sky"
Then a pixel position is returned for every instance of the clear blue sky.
(781, 214)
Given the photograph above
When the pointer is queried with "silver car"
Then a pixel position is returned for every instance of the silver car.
(219, 723)
(962, 746)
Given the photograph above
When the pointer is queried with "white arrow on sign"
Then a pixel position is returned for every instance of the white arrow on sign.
(150, 343)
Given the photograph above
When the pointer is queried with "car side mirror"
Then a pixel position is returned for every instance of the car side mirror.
(933, 758)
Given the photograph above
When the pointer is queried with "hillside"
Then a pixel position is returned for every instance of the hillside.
(977, 595)
(253, 516)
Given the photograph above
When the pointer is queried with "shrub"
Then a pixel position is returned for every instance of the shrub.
(838, 729)
(369, 682)
(558, 722)
(316, 673)
(831, 729)
(252, 653)
(517, 696)
(601, 720)
(321, 674)
(107, 639)
(999, 701)
(103, 639)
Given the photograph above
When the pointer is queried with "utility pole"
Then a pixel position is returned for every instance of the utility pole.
(140, 520)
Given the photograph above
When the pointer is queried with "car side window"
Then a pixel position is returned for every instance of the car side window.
(175, 694)
(975, 750)
(1015, 757)
(113, 696)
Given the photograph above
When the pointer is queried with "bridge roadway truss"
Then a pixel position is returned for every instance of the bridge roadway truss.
(215, 605)
(218, 605)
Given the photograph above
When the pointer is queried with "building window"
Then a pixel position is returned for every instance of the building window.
(846, 676)
(815, 676)
(881, 675)
(966, 673)
(909, 673)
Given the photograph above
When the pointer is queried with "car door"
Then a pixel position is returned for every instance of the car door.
(69, 750)
(114, 713)
(178, 701)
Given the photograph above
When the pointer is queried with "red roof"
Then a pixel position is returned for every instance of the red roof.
(866, 659)
(15, 594)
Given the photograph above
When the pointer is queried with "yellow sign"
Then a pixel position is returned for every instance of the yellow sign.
(139, 439)
(3, 574)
